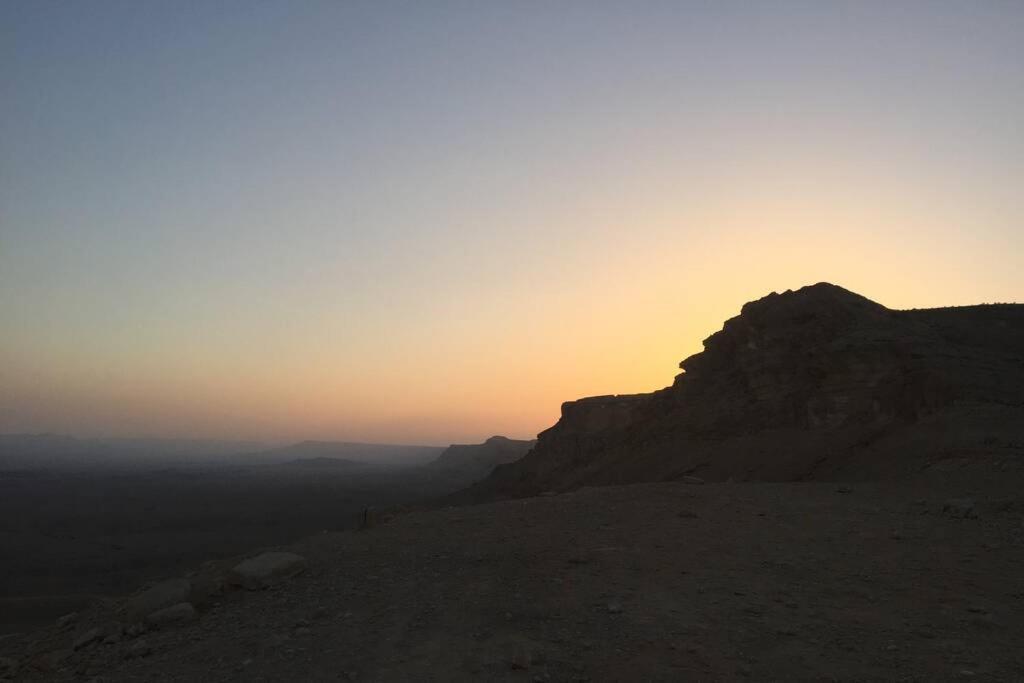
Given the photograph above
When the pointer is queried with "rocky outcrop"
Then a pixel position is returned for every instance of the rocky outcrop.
(266, 569)
(181, 613)
(808, 384)
(159, 596)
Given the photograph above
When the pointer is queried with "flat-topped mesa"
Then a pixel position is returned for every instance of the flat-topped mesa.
(597, 413)
(814, 383)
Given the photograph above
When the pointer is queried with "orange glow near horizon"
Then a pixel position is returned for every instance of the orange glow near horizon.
(498, 359)
(276, 225)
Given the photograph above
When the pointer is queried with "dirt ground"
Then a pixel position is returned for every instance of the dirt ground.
(673, 581)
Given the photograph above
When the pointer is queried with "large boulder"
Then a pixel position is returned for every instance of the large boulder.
(182, 613)
(266, 569)
(159, 596)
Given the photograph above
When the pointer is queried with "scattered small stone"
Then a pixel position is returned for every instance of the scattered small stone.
(140, 648)
(692, 480)
(959, 508)
(159, 596)
(614, 608)
(135, 630)
(113, 638)
(8, 667)
(87, 638)
(266, 569)
(67, 620)
(844, 489)
(274, 641)
(181, 613)
(206, 588)
(519, 660)
(985, 621)
(50, 661)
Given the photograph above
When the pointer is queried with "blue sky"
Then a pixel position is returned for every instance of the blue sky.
(436, 221)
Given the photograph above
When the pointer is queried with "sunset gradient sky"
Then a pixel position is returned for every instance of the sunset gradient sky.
(429, 222)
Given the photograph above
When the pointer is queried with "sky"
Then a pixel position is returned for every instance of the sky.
(434, 222)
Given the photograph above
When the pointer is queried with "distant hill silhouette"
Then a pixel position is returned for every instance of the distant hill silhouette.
(59, 451)
(320, 452)
(19, 452)
(473, 462)
(818, 383)
(322, 462)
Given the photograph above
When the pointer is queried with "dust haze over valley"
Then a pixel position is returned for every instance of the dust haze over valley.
(817, 430)
(86, 518)
(496, 341)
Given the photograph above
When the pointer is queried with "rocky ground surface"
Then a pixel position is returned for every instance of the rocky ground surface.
(667, 581)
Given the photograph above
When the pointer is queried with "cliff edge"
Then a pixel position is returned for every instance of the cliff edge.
(817, 383)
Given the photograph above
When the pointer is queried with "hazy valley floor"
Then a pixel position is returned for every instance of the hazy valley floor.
(670, 581)
(68, 537)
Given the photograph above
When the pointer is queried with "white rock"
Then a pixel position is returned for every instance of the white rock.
(266, 569)
(67, 620)
(140, 648)
(181, 613)
(159, 596)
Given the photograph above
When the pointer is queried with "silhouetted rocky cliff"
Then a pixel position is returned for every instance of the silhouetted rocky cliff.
(818, 383)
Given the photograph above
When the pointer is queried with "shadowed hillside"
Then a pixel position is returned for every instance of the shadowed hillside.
(818, 383)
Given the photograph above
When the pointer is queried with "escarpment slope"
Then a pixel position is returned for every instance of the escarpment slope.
(818, 383)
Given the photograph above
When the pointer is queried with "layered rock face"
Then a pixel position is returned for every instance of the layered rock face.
(816, 383)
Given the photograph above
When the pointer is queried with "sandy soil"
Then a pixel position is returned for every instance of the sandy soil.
(674, 581)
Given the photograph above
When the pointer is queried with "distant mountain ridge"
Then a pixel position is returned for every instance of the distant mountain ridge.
(56, 451)
(818, 383)
(354, 452)
(61, 451)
